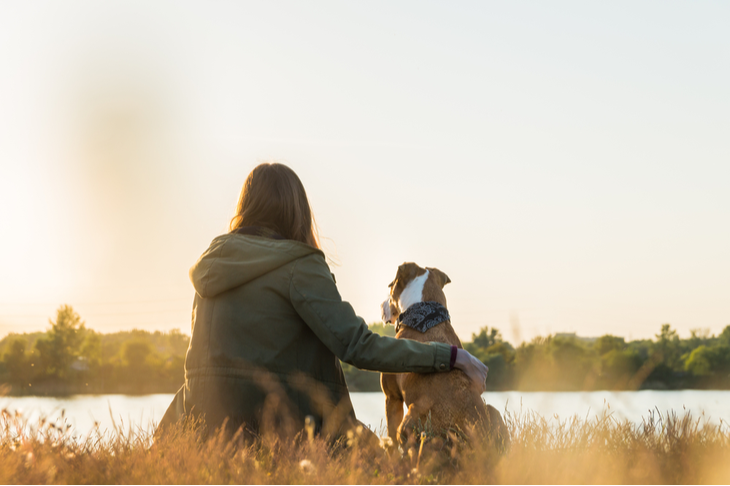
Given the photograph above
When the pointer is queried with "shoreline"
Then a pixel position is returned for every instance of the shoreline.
(56, 391)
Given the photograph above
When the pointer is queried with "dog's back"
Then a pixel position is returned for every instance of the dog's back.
(442, 400)
(446, 400)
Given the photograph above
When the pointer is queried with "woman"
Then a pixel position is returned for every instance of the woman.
(269, 324)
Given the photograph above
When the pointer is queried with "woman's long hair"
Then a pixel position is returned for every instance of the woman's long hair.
(273, 197)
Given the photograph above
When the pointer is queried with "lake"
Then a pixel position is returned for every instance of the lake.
(141, 412)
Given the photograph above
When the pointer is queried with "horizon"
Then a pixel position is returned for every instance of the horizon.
(565, 164)
(701, 333)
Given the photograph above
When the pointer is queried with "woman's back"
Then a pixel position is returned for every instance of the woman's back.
(247, 332)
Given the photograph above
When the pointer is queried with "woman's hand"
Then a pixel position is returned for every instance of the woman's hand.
(474, 369)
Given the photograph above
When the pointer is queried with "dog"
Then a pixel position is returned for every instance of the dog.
(448, 400)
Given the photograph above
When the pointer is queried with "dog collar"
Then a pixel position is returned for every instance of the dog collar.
(422, 316)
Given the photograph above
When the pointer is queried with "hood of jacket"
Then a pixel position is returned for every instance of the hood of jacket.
(234, 259)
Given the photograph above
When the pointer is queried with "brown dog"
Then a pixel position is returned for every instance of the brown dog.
(448, 398)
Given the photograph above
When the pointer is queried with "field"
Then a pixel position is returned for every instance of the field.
(663, 449)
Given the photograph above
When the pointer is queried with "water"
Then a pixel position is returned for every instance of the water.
(143, 412)
(629, 405)
(123, 413)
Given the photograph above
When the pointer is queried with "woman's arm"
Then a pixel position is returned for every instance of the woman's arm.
(315, 297)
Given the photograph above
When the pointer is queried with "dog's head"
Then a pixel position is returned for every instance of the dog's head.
(413, 284)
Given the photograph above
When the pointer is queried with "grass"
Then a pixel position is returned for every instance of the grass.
(665, 448)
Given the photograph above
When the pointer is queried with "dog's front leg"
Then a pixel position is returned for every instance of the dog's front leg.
(394, 416)
(414, 422)
(393, 404)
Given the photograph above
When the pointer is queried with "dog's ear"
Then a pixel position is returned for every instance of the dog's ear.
(406, 272)
(443, 279)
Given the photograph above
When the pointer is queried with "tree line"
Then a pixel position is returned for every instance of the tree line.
(566, 362)
(71, 358)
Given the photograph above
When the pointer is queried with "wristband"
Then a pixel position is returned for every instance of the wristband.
(452, 362)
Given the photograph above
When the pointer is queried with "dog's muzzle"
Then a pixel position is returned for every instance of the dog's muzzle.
(385, 312)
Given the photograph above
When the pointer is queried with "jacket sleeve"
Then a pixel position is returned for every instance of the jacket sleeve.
(314, 295)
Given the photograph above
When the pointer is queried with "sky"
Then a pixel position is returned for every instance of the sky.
(566, 163)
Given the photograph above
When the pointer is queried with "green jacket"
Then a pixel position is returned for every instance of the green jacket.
(268, 320)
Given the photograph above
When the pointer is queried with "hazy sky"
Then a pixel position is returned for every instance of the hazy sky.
(567, 164)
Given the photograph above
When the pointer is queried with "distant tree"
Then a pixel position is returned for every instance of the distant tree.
(667, 334)
(382, 329)
(699, 362)
(607, 343)
(533, 367)
(721, 362)
(91, 349)
(571, 362)
(642, 348)
(62, 343)
(136, 353)
(669, 346)
(504, 349)
(724, 336)
(699, 336)
(618, 367)
(486, 337)
(16, 362)
(487, 346)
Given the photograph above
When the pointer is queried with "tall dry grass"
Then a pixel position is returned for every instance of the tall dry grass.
(665, 448)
